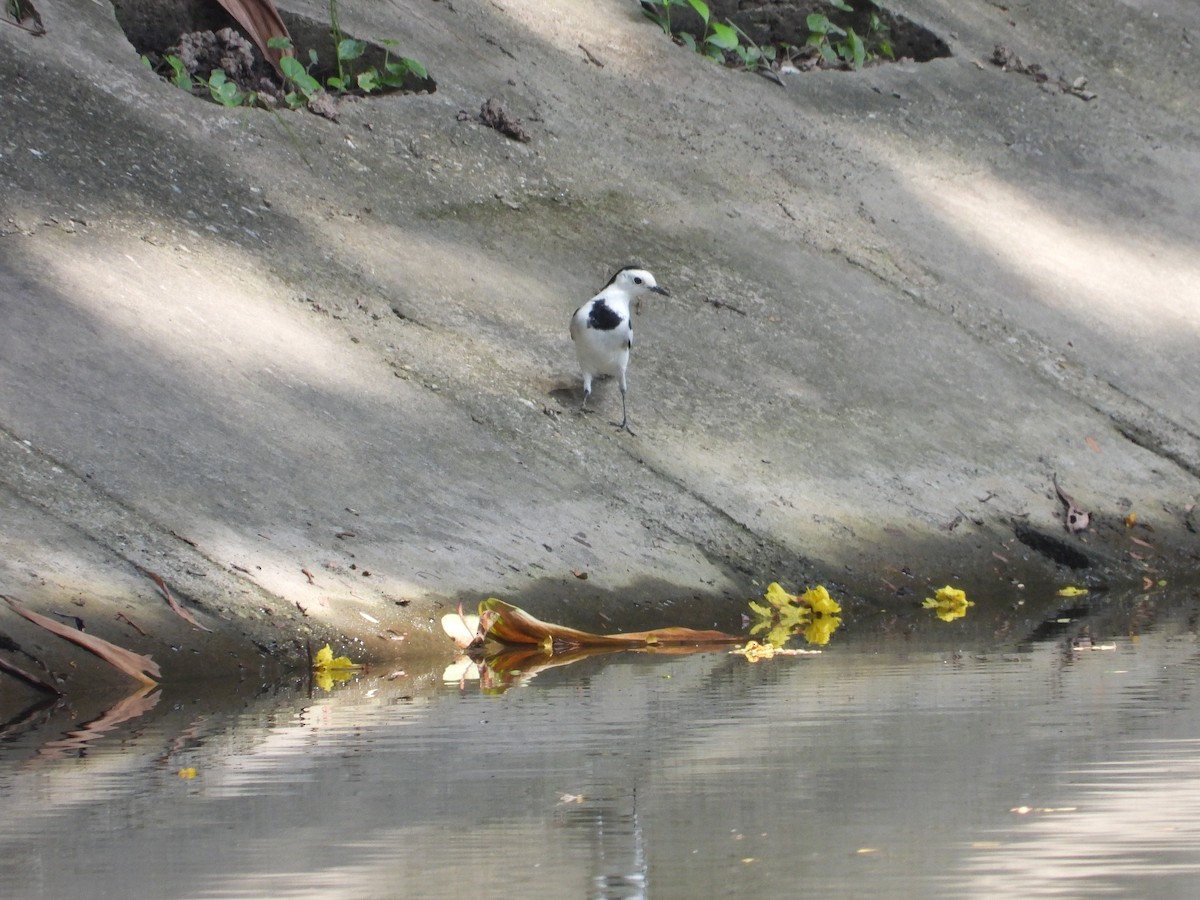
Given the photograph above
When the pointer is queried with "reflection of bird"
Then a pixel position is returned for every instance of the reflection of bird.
(603, 333)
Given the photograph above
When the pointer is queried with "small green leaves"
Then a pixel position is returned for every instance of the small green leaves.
(416, 68)
(294, 72)
(829, 43)
(857, 50)
(301, 82)
(350, 49)
(722, 36)
(223, 90)
(179, 75)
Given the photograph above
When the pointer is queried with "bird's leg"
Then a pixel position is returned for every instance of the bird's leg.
(587, 392)
(624, 423)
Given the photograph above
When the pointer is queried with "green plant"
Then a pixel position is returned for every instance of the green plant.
(726, 42)
(303, 86)
(843, 46)
(720, 42)
(299, 84)
(392, 74)
(227, 92)
(179, 75)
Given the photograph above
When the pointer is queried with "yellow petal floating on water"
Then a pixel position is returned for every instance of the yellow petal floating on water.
(950, 603)
(325, 660)
(1071, 592)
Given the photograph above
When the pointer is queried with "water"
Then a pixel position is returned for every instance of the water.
(884, 766)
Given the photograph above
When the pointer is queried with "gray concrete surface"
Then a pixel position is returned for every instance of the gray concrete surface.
(317, 375)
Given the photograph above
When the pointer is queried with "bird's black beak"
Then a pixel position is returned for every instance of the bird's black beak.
(661, 290)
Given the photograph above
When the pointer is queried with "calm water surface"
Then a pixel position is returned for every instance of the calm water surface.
(875, 768)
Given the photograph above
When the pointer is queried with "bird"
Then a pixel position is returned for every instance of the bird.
(603, 331)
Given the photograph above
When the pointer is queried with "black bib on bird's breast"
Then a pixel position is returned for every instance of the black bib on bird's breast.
(603, 316)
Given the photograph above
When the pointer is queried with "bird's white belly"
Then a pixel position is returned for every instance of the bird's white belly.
(603, 353)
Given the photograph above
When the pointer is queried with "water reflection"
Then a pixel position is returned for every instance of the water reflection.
(882, 765)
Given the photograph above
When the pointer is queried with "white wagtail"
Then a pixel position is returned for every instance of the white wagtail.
(603, 332)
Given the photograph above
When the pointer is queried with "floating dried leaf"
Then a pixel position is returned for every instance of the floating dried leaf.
(132, 664)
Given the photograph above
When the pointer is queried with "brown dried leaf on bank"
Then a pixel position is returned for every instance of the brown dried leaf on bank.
(171, 601)
(132, 664)
(261, 22)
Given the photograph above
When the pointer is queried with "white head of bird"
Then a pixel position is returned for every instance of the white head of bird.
(603, 331)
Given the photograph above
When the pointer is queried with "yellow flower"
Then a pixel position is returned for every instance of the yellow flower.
(324, 660)
(818, 600)
(951, 603)
(327, 669)
(812, 614)
(777, 596)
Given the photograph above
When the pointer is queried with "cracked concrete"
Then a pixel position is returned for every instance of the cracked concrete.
(317, 374)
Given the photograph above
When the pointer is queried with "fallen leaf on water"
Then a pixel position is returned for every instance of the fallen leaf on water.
(187, 773)
(570, 798)
(1092, 443)
(1131, 520)
(75, 744)
(508, 624)
(580, 574)
(135, 665)
(1071, 592)
(1142, 543)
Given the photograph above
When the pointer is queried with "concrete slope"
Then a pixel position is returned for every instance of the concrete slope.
(317, 376)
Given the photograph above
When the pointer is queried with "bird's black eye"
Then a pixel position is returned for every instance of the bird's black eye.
(637, 279)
